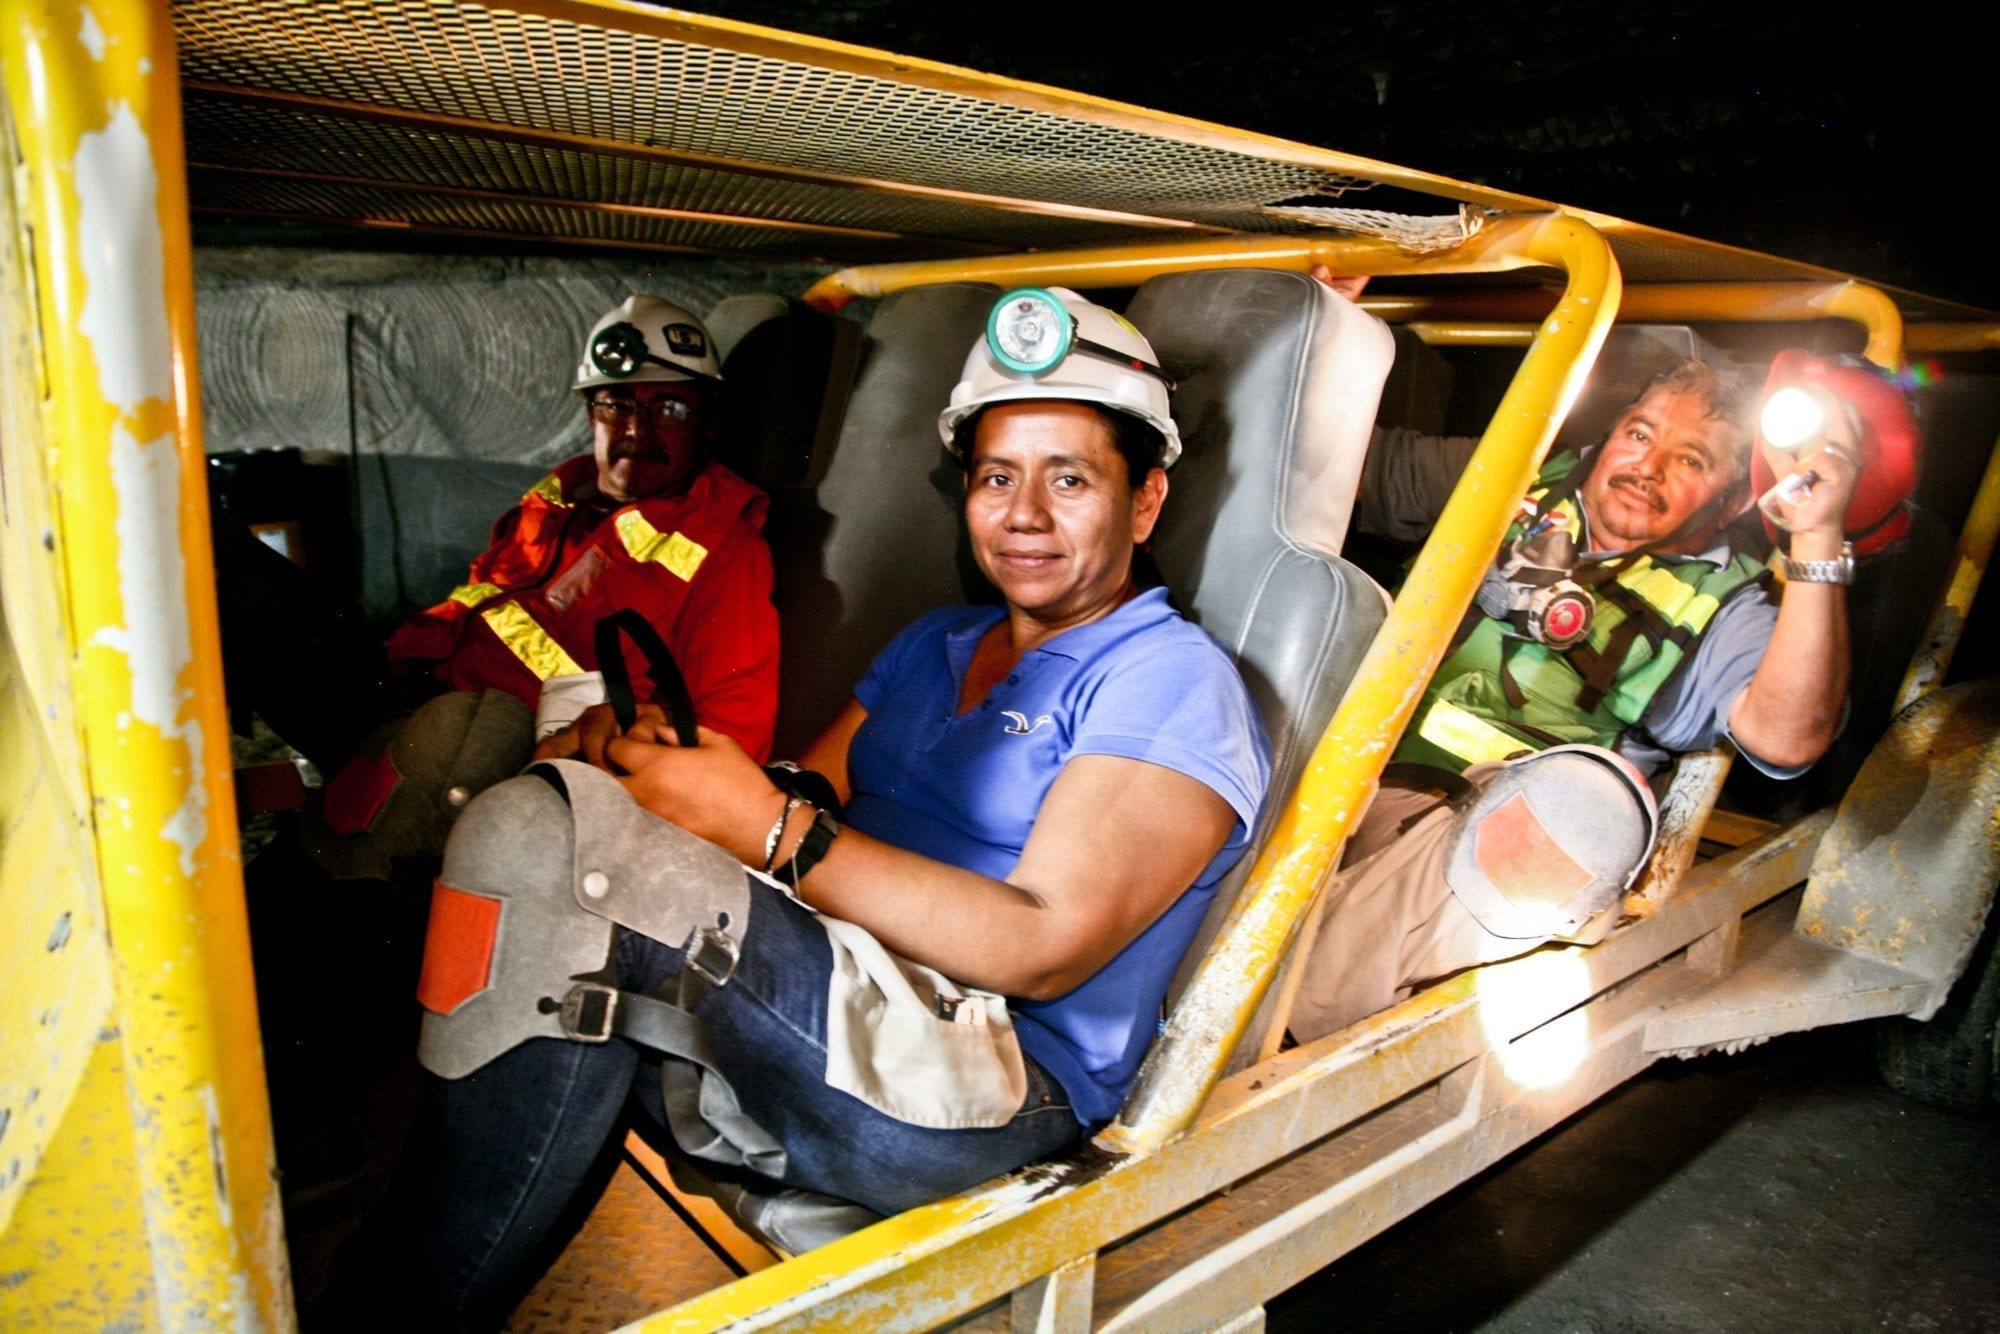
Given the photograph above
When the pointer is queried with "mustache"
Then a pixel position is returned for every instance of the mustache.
(1644, 487)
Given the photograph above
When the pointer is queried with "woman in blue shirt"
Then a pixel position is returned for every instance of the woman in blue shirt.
(1039, 800)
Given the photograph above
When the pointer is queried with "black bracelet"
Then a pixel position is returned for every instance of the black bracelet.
(812, 846)
(814, 786)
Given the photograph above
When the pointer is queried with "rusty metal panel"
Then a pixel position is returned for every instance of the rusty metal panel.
(1906, 875)
(1795, 985)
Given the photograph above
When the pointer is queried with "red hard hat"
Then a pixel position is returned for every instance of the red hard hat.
(1878, 514)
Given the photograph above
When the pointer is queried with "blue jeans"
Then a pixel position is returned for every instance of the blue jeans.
(508, 1151)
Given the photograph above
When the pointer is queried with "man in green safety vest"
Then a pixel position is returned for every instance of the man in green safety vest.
(1617, 627)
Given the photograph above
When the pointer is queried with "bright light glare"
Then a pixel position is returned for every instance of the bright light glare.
(1792, 417)
(1517, 995)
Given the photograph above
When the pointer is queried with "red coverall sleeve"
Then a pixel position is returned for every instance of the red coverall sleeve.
(725, 641)
(431, 634)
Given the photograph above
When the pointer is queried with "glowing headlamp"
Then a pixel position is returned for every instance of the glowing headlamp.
(1791, 417)
(1030, 331)
(619, 350)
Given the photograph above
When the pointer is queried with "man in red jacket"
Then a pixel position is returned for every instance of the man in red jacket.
(645, 522)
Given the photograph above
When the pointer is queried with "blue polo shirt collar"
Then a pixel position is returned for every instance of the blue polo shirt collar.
(1076, 644)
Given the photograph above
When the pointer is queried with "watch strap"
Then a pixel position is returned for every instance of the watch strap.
(811, 847)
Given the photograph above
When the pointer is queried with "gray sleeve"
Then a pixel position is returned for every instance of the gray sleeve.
(1692, 713)
(1406, 479)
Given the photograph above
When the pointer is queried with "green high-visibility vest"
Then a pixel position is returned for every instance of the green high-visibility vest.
(1648, 620)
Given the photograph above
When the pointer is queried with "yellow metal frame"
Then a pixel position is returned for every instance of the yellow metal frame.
(1504, 317)
(94, 98)
(177, 1069)
(1969, 561)
(1497, 248)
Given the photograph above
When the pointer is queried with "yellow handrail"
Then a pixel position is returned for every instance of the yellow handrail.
(1949, 336)
(93, 90)
(1494, 249)
(1340, 779)
(1484, 317)
(1969, 561)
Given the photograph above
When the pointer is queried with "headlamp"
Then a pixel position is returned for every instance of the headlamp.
(619, 350)
(1030, 332)
(1791, 417)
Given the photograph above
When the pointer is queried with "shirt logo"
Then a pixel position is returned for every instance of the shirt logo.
(1018, 724)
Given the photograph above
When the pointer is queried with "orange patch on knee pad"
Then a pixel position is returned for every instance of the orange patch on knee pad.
(1521, 857)
(458, 948)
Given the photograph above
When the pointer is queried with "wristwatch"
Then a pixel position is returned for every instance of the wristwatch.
(1837, 571)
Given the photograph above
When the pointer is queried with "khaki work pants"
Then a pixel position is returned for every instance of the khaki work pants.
(1391, 925)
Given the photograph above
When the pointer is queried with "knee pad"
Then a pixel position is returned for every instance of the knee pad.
(402, 799)
(538, 872)
(1546, 847)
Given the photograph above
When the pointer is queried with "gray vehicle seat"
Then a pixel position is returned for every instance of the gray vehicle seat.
(1271, 390)
(867, 538)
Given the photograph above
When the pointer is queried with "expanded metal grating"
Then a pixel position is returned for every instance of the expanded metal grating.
(557, 75)
(226, 132)
(277, 196)
(452, 116)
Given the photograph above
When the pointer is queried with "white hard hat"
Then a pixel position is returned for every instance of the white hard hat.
(646, 339)
(1051, 343)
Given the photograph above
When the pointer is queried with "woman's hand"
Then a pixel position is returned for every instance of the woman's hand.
(586, 738)
(713, 789)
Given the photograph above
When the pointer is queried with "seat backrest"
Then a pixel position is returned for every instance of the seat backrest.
(875, 541)
(788, 369)
(1279, 381)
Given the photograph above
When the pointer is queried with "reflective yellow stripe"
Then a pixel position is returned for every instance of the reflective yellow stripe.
(643, 542)
(471, 595)
(529, 642)
(1467, 735)
(1672, 597)
(548, 489)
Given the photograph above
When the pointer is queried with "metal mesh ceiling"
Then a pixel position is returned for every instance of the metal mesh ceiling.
(560, 124)
(229, 133)
(623, 93)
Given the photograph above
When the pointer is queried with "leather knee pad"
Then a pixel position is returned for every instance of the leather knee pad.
(1546, 846)
(538, 872)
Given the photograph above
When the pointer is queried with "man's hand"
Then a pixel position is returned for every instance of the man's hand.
(586, 738)
(1791, 710)
(713, 789)
(1817, 519)
(1349, 285)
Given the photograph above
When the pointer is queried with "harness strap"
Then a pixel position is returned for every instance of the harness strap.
(703, 1112)
(1517, 698)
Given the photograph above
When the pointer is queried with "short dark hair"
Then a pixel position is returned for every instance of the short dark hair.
(1137, 440)
(1726, 394)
